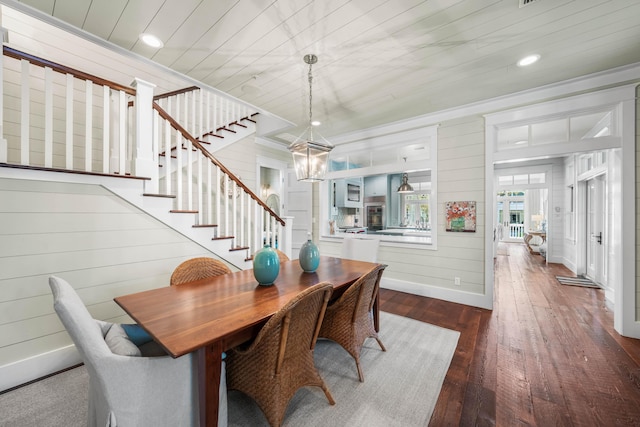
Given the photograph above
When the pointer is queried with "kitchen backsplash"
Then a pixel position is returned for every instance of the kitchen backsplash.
(346, 217)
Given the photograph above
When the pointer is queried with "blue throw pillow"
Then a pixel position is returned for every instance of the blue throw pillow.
(137, 334)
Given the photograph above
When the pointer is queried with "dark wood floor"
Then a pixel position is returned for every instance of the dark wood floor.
(547, 355)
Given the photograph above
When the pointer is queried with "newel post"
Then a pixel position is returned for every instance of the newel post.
(287, 236)
(145, 160)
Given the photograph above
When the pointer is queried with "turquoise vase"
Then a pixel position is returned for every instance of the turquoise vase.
(266, 265)
(309, 257)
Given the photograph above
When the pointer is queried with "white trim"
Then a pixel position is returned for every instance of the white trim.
(616, 76)
(446, 294)
(624, 321)
(23, 371)
(624, 96)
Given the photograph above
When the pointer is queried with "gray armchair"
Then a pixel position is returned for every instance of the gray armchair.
(130, 390)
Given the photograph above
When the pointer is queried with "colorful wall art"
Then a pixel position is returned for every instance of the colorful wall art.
(461, 216)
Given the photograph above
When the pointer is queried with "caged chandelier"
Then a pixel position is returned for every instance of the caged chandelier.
(310, 157)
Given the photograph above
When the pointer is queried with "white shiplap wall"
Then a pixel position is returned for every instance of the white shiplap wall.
(460, 178)
(85, 234)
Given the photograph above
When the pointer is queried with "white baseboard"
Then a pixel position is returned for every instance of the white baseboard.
(23, 371)
(451, 295)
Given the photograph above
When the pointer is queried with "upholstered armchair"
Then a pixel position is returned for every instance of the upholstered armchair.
(130, 390)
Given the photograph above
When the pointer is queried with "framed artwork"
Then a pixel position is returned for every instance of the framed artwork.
(461, 216)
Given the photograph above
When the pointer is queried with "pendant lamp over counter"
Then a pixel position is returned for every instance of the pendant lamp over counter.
(405, 187)
(310, 157)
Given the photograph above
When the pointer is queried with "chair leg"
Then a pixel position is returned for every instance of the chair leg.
(328, 394)
(360, 374)
(380, 344)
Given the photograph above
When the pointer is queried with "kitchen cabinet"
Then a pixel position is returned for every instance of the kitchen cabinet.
(375, 186)
(347, 193)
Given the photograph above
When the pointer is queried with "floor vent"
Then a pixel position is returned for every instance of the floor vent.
(523, 3)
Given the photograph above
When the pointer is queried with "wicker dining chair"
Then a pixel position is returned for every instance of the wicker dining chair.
(196, 269)
(280, 360)
(349, 320)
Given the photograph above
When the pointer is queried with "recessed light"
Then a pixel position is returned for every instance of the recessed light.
(316, 123)
(151, 40)
(528, 60)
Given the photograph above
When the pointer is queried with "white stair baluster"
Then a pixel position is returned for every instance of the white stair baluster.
(242, 218)
(106, 117)
(69, 123)
(217, 192)
(199, 183)
(24, 113)
(122, 138)
(179, 165)
(88, 125)
(48, 117)
(168, 161)
(209, 192)
(189, 173)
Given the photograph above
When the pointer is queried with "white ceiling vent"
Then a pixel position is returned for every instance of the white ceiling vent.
(523, 3)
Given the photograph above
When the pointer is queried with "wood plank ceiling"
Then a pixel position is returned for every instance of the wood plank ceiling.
(379, 60)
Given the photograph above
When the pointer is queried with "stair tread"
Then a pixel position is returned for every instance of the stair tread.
(182, 211)
(168, 196)
(239, 248)
(204, 225)
(223, 237)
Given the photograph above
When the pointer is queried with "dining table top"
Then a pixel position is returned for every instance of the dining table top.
(186, 317)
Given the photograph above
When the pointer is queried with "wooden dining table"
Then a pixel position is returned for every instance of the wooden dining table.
(210, 316)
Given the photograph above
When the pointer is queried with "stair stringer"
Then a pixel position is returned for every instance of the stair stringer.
(160, 209)
(213, 144)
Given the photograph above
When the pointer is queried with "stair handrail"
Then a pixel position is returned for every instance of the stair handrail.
(174, 124)
(81, 75)
(175, 92)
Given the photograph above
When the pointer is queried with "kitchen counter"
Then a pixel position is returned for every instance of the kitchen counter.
(393, 237)
(401, 231)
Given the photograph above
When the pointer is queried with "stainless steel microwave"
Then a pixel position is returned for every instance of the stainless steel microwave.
(353, 192)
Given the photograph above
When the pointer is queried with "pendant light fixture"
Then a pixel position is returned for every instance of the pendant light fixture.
(310, 157)
(405, 187)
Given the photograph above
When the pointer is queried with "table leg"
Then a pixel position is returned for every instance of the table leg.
(209, 371)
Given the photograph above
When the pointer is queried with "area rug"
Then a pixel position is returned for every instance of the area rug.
(577, 281)
(401, 386)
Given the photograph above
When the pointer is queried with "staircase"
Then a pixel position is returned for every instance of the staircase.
(166, 152)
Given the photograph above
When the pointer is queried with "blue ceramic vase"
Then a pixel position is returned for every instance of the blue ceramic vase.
(309, 256)
(266, 265)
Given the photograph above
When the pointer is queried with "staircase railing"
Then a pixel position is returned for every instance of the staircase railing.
(54, 122)
(219, 197)
(33, 136)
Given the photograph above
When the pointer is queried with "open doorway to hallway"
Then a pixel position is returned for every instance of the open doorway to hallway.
(583, 136)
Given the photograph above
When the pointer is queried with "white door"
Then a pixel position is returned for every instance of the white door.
(510, 218)
(299, 195)
(595, 237)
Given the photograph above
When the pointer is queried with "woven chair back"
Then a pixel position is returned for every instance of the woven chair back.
(293, 330)
(196, 269)
(360, 296)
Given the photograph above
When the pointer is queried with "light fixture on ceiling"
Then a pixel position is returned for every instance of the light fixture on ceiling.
(528, 60)
(310, 157)
(151, 40)
(405, 187)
